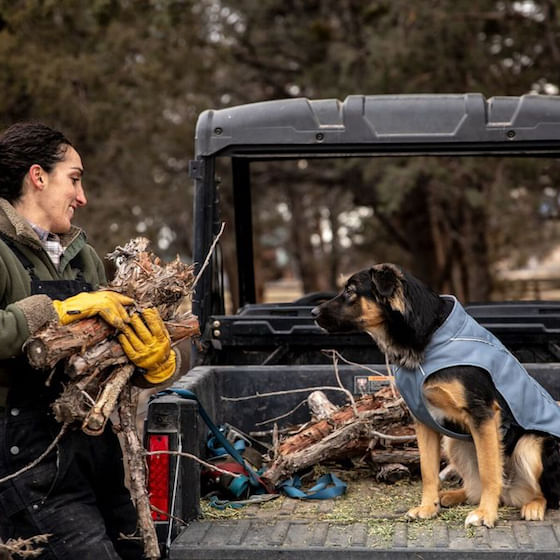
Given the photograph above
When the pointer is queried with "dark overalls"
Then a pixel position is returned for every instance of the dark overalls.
(77, 492)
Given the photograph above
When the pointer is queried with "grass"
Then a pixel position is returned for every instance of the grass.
(380, 506)
(210, 512)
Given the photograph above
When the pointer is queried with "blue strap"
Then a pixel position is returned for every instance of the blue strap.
(186, 394)
(328, 486)
(215, 502)
(239, 485)
(218, 451)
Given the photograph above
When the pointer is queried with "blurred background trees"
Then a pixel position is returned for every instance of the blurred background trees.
(125, 80)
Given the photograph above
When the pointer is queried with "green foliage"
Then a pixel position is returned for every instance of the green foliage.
(125, 80)
(432, 215)
(110, 74)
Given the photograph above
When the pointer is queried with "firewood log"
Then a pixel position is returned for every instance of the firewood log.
(56, 342)
(343, 434)
(320, 406)
(109, 352)
(96, 418)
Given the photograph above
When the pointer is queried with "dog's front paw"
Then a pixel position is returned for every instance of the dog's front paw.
(480, 517)
(422, 512)
(534, 511)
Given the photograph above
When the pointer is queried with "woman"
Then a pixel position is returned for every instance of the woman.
(48, 272)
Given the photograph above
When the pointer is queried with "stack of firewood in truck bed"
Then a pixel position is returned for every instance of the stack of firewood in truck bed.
(376, 429)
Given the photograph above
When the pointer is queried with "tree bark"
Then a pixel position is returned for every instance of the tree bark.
(97, 416)
(110, 352)
(56, 342)
(343, 434)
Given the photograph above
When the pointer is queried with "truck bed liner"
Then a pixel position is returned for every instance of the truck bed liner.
(294, 529)
(293, 538)
(367, 522)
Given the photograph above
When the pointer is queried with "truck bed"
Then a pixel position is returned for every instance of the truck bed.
(368, 521)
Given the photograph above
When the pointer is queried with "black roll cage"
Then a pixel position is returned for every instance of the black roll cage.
(360, 126)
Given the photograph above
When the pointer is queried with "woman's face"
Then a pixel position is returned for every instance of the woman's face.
(63, 192)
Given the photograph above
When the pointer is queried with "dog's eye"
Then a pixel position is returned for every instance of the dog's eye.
(350, 296)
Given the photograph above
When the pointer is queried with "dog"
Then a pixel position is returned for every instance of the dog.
(500, 429)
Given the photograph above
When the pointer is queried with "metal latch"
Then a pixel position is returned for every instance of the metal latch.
(196, 169)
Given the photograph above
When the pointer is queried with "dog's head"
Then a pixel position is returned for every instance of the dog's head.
(391, 305)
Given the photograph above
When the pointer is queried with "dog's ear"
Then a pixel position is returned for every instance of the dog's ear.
(384, 279)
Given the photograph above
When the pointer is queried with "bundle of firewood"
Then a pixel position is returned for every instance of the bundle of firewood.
(99, 372)
(376, 428)
(93, 358)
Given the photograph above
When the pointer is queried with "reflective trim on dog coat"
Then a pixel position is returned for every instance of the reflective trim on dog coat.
(461, 341)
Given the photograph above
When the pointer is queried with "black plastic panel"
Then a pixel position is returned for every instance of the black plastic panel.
(445, 122)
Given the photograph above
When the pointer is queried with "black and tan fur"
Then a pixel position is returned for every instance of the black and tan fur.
(503, 463)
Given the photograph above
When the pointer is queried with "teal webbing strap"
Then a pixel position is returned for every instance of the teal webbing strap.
(186, 394)
(328, 486)
(240, 445)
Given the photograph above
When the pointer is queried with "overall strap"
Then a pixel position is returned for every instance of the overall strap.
(27, 264)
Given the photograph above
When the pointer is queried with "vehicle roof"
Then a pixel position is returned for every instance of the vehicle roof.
(383, 124)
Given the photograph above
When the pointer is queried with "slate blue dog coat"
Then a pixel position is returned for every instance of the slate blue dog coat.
(461, 341)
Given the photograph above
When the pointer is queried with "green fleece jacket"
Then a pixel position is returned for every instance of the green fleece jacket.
(22, 314)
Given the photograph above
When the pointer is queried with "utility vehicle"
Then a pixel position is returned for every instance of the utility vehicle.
(261, 347)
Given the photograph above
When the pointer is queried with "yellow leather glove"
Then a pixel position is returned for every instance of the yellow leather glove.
(108, 305)
(148, 346)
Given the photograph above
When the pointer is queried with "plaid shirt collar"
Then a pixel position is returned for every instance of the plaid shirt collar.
(51, 243)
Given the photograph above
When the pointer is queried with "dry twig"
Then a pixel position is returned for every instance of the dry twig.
(35, 462)
(287, 392)
(24, 548)
(194, 458)
(207, 260)
(346, 391)
(137, 469)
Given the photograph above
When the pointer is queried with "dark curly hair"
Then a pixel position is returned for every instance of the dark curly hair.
(23, 145)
